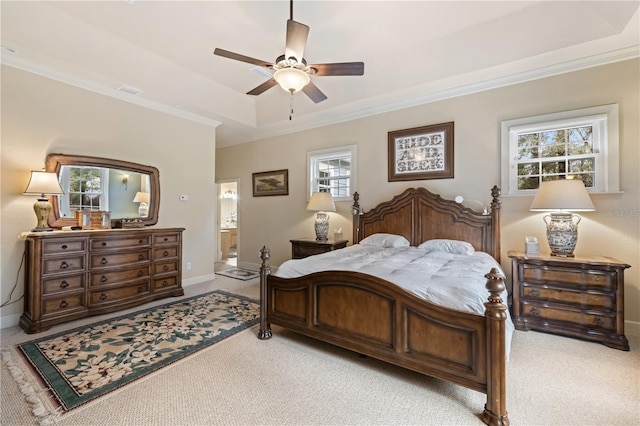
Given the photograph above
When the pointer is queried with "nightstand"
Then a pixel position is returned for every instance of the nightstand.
(580, 296)
(307, 247)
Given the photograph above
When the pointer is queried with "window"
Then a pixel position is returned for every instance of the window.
(87, 189)
(580, 144)
(333, 170)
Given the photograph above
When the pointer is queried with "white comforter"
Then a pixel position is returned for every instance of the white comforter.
(455, 281)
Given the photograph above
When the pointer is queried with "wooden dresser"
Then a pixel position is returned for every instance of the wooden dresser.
(579, 297)
(75, 274)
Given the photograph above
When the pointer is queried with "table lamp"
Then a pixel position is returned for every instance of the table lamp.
(143, 199)
(43, 184)
(321, 202)
(561, 197)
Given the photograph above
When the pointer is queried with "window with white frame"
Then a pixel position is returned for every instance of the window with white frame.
(580, 144)
(333, 170)
(86, 189)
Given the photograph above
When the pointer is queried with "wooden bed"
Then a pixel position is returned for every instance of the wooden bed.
(376, 318)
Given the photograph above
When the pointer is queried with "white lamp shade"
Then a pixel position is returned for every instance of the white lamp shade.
(141, 197)
(43, 183)
(321, 202)
(291, 79)
(562, 194)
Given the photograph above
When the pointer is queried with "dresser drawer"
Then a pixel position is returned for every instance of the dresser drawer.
(98, 244)
(119, 276)
(166, 238)
(63, 264)
(116, 295)
(165, 283)
(63, 304)
(165, 267)
(64, 246)
(588, 319)
(584, 298)
(67, 283)
(592, 278)
(166, 252)
(118, 259)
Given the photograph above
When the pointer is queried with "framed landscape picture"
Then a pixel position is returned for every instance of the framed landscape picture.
(421, 153)
(271, 183)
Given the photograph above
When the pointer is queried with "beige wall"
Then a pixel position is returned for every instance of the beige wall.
(42, 116)
(275, 220)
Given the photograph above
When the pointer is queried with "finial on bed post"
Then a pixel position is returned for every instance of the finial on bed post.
(495, 410)
(355, 212)
(265, 270)
(495, 221)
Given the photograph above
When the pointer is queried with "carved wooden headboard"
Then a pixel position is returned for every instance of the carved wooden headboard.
(418, 215)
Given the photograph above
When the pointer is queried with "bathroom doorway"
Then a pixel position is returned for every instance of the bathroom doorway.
(228, 224)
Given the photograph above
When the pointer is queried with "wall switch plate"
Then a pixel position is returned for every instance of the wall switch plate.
(184, 197)
(188, 265)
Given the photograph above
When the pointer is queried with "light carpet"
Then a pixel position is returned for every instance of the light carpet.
(86, 363)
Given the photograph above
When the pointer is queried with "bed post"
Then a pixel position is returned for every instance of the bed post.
(495, 410)
(265, 270)
(495, 221)
(355, 212)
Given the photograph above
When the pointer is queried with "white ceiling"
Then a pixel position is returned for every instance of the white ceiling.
(414, 52)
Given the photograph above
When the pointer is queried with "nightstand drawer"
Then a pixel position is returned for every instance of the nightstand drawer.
(590, 278)
(63, 304)
(68, 283)
(574, 316)
(593, 299)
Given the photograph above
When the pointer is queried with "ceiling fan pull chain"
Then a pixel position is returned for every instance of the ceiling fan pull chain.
(291, 106)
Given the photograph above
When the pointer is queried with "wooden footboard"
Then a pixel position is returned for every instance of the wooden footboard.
(376, 318)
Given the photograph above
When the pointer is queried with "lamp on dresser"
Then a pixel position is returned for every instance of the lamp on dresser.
(43, 184)
(143, 199)
(561, 198)
(321, 203)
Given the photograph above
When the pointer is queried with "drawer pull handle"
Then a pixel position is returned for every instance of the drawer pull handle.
(103, 261)
(140, 257)
(103, 279)
(140, 241)
(535, 292)
(534, 312)
(140, 273)
(165, 283)
(64, 284)
(64, 304)
(103, 296)
(64, 247)
(166, 239)
(64, 265)
(165, 253)
(598, 322)
(104, 244)
(140, 289)
(165, 268)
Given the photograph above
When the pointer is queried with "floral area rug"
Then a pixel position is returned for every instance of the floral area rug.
(83, 364)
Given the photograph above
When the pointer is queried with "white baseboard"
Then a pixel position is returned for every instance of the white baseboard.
(632, 328)
(9, 320)
(197, 280)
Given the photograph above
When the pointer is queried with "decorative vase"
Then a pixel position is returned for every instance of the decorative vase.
(562, 233)
(322, 226)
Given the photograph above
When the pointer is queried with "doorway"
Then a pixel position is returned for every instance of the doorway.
(228, 224)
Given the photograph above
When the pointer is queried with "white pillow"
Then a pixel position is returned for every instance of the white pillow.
(385, 240)
(447, 246)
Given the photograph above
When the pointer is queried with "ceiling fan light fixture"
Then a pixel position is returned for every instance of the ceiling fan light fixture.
(291, 79)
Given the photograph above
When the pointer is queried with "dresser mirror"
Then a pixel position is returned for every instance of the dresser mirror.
(127, 190)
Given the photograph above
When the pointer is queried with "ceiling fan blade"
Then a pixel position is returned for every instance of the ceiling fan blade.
(297, 34)
(343, 68)
(315, 94)
(242, 58)
(263, 87)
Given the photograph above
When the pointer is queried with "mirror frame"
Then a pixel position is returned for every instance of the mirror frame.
(55, 161)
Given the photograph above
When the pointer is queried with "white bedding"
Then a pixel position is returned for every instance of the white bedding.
(455, 281)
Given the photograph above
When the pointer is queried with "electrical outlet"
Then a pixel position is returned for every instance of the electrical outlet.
(188, 265)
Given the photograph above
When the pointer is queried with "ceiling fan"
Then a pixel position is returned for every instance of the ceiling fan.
(290, 70)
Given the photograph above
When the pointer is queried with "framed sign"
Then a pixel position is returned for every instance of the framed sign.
(271, 183)
(421, 153)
